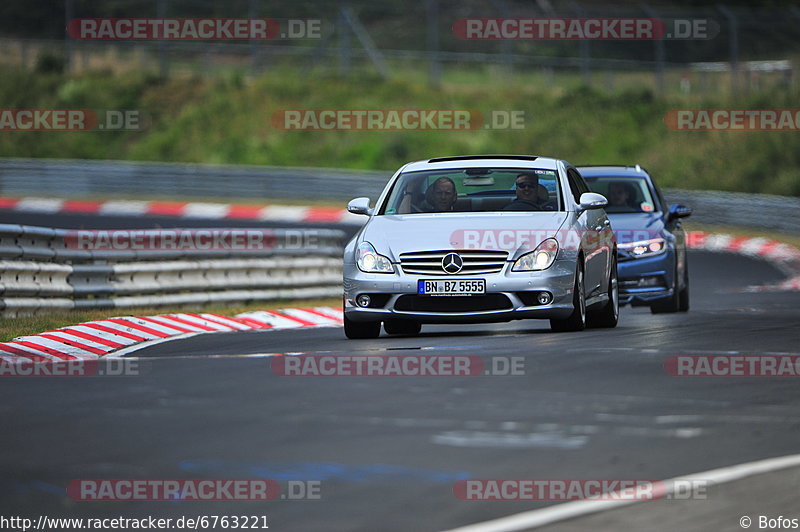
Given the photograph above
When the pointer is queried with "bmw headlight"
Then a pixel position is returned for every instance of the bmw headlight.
(643, 248)
(540, 258)
(369, 261)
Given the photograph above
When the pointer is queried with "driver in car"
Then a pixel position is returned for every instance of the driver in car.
(621, 197)
(529, 194)
(441, 196)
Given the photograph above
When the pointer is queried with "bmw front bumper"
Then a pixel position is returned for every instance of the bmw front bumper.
(644, 281)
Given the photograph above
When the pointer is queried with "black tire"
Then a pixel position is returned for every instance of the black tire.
(683, 306)
(577, 320)
(608, 316)
(361, 330)
(406, 327)
(670, 305)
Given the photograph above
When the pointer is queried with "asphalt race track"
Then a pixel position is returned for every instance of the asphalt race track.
(387, 450)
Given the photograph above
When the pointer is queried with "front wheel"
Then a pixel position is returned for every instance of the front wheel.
(608, 316)
(683, 306)
(577, 320)
(672, 303)
(361, 330)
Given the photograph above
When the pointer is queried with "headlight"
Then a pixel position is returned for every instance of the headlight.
(369, 261)
(540, 258)
(644, 248)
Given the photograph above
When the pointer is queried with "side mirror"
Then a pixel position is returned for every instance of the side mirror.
(678, 210)
(359, 206)
(590, 201)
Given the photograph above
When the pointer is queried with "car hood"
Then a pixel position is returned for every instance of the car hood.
(507, 231)
(633, 227)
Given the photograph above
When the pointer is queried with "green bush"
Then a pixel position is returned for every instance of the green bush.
(227, 119)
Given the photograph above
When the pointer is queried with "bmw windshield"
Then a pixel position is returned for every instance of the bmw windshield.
(474, 190)
(624, 194)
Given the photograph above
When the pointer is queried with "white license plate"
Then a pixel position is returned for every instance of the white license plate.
(454, 287)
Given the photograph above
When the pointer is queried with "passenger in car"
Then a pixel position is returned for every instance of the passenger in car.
(531, 196)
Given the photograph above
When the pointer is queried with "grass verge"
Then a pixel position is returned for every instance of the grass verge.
(232, 120)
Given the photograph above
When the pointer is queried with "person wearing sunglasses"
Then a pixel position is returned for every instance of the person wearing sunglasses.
(531, 196)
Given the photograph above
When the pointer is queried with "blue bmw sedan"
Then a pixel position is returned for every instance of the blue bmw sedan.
(651, 244)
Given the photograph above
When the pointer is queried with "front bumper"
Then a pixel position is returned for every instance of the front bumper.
(509, 296)
(644, 281)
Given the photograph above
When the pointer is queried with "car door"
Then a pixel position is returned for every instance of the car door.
(596, 231)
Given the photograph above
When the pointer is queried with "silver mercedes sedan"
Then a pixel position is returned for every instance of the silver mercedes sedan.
(481, 239)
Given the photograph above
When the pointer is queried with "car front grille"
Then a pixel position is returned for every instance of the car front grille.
(480, 303)
(475, 261)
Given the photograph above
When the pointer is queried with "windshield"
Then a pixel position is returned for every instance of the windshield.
(624, 194)
(474, 190)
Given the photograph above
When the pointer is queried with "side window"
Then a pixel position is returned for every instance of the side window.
(582, 186)
(576, 184)
(661, 200)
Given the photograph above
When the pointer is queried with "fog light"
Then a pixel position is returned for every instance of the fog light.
(363, 300)
(544, 298)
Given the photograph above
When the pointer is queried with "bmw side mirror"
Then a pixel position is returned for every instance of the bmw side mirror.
(359, 206)
(678, 210)
(590, 201)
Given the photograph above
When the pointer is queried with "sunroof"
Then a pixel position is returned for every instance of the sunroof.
(474, 157)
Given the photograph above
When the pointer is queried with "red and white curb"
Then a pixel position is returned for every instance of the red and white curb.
(784, 256)
(120, 336)
(207, 211)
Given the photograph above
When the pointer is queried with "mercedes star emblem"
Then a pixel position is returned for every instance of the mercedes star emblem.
(452, 263)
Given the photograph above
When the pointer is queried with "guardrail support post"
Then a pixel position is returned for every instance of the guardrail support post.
(434, 67)
(733, 43)
(660, 53)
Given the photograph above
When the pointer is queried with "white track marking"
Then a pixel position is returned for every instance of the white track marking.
(571, 510)
(124, 207)
(206, 210)
(142, 345)
(39, 205)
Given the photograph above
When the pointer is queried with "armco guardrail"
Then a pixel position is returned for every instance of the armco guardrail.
(81, 178)
(761, 211)
(45, 269)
